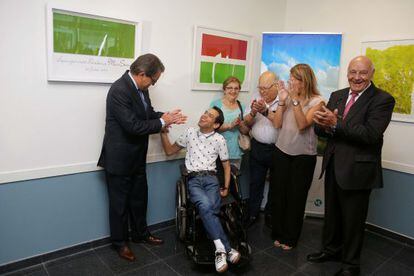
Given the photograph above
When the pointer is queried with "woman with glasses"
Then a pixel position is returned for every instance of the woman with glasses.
(294, 159)
(231, 108)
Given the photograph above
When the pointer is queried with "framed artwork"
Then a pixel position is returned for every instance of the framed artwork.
(322, 51)
(219, 54)
(85, 47)
(394, 73)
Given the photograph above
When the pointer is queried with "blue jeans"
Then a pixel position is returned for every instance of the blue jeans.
(205, 195)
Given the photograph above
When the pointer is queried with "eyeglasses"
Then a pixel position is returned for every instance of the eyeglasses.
(265, 88)
(232, 88)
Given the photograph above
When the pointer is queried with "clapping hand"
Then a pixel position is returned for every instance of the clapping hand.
(325, 117)
(282, 91)
(174, 117)
(261, 106)
(258, 106)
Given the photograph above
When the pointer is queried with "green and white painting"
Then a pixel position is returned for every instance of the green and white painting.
(394, 73)
(89, 48)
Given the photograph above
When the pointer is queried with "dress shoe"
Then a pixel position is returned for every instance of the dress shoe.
(349, 271)
(150, 239)
(321, 257)
(126, 253)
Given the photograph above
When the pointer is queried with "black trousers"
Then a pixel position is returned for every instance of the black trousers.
(128, 198)
(260, 163)
(291, 178)
(345, 215)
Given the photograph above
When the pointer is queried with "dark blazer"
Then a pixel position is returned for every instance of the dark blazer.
(128, 125)
(357, 140)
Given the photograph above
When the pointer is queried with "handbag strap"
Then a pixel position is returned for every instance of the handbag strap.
(241, 110)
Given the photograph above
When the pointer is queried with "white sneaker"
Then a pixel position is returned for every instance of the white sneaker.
(221, 263)
(233, 256)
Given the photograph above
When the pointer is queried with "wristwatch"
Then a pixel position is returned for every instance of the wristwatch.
(295, 102)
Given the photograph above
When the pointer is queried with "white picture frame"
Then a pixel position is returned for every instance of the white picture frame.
(223, 53)
(394, 72)
(97, 52)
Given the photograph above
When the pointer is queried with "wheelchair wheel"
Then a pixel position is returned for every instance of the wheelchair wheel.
(181, 211)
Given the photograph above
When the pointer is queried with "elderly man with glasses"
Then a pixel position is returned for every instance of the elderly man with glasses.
(264, 135)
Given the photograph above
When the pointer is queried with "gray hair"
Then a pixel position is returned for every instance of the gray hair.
(150, 64)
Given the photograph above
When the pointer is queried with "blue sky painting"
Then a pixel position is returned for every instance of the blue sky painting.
(281, 51)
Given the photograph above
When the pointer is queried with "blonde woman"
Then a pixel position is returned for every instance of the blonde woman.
(294, 159)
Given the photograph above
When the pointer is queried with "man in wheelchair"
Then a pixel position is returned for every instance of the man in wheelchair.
(204, 145)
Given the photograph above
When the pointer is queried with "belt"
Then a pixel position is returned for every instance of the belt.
(201, 173)
(264, 144)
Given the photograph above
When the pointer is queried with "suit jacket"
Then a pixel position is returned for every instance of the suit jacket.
(357, 140)
(128, 125)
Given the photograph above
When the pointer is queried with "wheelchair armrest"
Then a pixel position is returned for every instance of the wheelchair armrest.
(234, 170)
(183, 170)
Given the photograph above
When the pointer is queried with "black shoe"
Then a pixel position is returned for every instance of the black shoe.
(349, 271)
(321, 257)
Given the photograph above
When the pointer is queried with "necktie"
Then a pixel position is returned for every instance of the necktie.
(350, 103)
(142, 99)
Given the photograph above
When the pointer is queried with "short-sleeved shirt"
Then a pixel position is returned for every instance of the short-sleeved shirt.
(202, 149)
(263, 130)
(291, 140)
(231, 136)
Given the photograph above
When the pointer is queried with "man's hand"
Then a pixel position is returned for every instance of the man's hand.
(174, 117)
(254, 108)
(165, 129)
(224, 192)
(325, 117)
(261, 106)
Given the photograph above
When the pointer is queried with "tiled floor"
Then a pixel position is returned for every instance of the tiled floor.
(380, 256)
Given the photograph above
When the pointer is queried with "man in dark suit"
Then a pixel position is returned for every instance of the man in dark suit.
(354, 122)
(130, 118)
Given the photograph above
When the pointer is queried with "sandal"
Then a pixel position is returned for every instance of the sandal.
(286, 247)
(277, 243)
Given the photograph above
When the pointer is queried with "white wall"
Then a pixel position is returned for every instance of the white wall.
(57, 128)
(362, 20)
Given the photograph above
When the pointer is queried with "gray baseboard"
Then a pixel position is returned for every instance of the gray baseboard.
(389, 234)
(31, 261)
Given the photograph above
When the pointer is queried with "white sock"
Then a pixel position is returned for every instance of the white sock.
(219, 245)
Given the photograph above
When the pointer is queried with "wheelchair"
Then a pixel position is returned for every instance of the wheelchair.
(190, 229)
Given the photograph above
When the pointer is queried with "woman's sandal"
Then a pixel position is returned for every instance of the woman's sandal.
(286, 247)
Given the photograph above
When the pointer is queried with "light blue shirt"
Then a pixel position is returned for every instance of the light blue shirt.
(232, 135)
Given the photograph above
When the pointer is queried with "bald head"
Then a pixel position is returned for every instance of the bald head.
(360, 73)
(267, 86)
(362, 60)
(268, 76)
